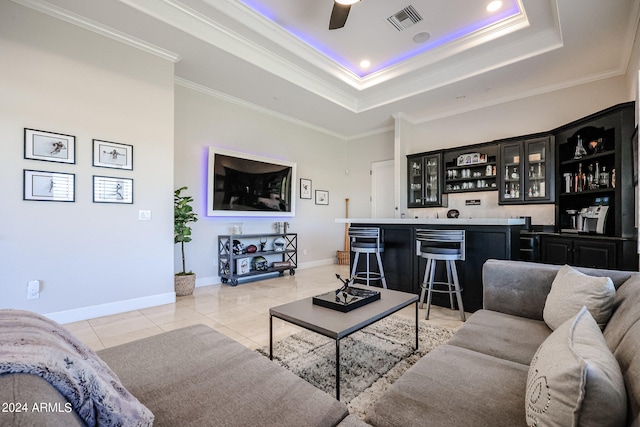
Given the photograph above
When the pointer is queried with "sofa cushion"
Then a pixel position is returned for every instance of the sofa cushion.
(571, 290)
(625, 312)
(454, 386)
(196, 376)
(502, 335)
(33, 391)
(628, 356)
(574, 379)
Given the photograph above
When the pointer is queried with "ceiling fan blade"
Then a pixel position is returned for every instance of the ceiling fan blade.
(339, 16)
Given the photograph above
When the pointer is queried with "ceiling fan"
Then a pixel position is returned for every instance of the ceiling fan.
(340, 12)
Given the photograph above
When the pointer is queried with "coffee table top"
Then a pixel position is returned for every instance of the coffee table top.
(336, 324)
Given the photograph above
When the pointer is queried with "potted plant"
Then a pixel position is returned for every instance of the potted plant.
(183, 214)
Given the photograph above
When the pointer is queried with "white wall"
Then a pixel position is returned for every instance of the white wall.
(92, 259)
(203, 120)
(361, 153)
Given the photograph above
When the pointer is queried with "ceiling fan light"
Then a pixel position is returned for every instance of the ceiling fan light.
(347, 2)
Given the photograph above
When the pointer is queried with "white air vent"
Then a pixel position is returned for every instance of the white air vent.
(405, 18)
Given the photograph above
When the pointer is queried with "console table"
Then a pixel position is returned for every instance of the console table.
(235, 262)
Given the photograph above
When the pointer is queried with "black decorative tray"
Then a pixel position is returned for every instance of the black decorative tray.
(347, 300)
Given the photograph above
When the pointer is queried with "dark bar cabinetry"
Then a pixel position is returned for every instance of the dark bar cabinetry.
(404, 270)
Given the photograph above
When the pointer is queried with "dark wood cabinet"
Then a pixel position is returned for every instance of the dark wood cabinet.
(404, 270)
(595, 168)
(471, 168)
(424, 180)
(527, 171)
(588, 251)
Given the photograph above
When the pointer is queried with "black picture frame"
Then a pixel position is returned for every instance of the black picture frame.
(113, 155)
(46, 186)
(49, 146)
(305, 188)
(322, 197)
(109, 189)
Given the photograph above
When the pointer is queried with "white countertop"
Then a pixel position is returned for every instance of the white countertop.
(434, 221)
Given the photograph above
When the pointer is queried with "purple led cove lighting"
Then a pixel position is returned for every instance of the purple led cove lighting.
(433, 43)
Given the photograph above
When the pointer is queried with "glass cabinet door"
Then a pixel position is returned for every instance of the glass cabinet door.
(527, 171)
(416, 181)
(424, 173)
(536, 179)
(512, 161)
(431, 180)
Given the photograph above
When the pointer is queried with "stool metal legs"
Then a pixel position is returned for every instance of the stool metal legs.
(367, 275)
(453, 285)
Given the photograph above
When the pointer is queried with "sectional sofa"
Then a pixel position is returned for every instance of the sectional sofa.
(505, 366)
(496, 371)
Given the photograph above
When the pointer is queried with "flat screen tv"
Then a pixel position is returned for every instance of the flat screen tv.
(248, 185)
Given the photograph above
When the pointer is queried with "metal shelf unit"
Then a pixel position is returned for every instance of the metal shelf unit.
(234, 262)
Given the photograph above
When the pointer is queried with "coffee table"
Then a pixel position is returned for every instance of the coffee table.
(337, 325)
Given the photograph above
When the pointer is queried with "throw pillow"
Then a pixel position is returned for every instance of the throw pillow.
(571, 290)
(574, 379)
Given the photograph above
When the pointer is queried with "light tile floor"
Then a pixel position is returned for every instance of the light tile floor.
(240, 312)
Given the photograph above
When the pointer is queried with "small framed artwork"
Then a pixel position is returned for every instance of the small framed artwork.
(49, 186)
(112, 155)
(322, 197)
(49, 146)
(305, 188)
(112, 190)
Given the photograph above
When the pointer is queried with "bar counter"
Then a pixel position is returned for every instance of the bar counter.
(497, 238)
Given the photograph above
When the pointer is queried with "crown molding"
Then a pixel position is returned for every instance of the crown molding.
(257, 108)
(93, 26)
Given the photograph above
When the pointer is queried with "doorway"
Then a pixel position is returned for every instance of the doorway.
(382, 189)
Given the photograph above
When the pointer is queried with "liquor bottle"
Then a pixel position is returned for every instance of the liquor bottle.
(604, 177)
(596, 177)
(613, 178)
(580, 150)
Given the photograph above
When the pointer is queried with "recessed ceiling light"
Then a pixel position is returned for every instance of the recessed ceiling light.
(421, 37)
(365, 63)
(494, 5)
(347, 2)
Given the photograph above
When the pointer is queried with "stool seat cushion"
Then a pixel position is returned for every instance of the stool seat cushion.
(366, 245)
(441, 251)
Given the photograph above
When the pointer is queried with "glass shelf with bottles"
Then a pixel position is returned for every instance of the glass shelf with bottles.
(590, 169)
(473, 177)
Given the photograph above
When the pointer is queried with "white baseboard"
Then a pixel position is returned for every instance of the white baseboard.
(91, 312)
(215, 280)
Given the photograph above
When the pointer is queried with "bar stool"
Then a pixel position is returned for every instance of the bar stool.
(441, 245)
(367, 241)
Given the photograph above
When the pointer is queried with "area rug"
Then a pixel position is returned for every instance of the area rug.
(370, 360)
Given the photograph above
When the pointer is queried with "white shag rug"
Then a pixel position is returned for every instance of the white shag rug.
(370, 360)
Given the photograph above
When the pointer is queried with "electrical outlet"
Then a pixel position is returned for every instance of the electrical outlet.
(144, 215)
(33, 289)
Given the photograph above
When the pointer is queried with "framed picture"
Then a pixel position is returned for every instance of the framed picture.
(112, 190)
(322, 197)
(49, 146)
(305, 188)
(112, 155)
(49, 186)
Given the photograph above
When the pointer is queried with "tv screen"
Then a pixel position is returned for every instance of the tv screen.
(248, 185)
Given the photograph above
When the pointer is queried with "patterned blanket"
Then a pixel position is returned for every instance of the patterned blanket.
(33, 344)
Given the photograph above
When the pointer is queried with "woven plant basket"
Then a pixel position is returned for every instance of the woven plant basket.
(343, 257)
(184, 285)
